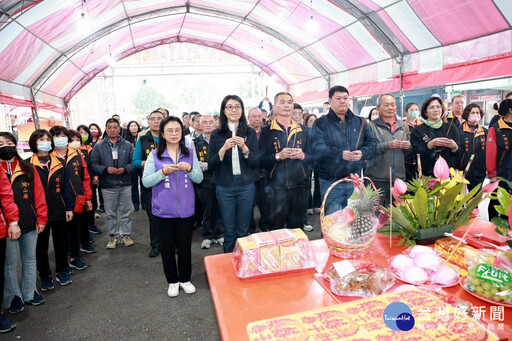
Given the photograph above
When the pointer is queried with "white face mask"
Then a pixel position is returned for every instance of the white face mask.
(74, 145)
(473, 118)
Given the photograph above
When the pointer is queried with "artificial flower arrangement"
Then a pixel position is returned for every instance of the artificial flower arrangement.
(503, 226)
(427, 207)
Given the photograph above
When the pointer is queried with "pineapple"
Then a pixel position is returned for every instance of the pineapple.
(363, 202)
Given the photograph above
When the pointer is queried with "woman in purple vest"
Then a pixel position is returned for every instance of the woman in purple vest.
(170, 171)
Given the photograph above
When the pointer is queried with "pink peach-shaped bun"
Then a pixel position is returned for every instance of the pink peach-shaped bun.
(444, 275)
(421, 249)
(427, 261)
(400, 262)
(415, 275)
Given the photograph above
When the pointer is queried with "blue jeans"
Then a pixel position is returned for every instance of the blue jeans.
(26, 246)
(235, 204)
(338, 196)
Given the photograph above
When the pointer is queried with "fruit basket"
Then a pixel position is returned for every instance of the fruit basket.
(349, 232)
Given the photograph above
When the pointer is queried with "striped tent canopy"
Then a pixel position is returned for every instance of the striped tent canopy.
(50, 49)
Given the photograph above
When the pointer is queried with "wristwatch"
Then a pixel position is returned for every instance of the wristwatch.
(278, 157)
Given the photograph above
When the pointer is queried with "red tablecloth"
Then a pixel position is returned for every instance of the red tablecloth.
(240, 301)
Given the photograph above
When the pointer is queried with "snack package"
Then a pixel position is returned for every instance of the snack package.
(423, 265)
(354, 277)
(490, 275)
(272, 252)
(463, 252)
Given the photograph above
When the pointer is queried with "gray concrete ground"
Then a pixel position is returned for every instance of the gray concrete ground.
(123, 296)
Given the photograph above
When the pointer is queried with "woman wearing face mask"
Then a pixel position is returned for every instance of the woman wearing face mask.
(472, 142)
(66, 149)
(30, 199)
(96, 137)
(435, 138)
(412, 120)
(96, 133)
(84, 237)
(54, 177)
(86, 150)
(8, 228)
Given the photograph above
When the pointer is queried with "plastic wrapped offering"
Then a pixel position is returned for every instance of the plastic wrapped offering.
(272, 252)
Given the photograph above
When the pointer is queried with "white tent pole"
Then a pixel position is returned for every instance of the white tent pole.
(35, 115)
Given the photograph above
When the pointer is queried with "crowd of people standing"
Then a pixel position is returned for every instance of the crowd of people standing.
(211, 171)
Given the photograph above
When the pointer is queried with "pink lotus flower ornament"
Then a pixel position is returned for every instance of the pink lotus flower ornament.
(491, 187)
(400, 187)
(441, 169)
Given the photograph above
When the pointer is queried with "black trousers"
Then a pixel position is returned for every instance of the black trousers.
(260, 199)
(286, 206)
(212, 226)
(60, 246)
(73, 228)
(153, 233)
(3, 242)
(175, 233)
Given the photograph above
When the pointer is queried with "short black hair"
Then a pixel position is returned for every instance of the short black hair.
(505, 107)
(280, 94)
(337, 88)
(113, 120)
(57, 130)
(469, 107)
(326, 103)
(297, 106)
(87, 130)
(409, 105)
(36, 135)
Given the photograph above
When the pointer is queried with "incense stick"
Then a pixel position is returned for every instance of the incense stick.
(463, 238)
(420, 172)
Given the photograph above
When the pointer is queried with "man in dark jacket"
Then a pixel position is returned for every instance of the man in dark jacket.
(112, 159)
(284, 152)
(342, 143)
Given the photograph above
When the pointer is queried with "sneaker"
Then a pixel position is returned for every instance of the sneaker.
(308, 228)
(95, 229)
(102, 209)
(88, 248)
(127, 241)
(219, 241)
(206, 244)
(6, 325)
(135, 208)
(174, 290)
(188, 287)
(112, 242)
(17, 305)
(47, 283)
(37, 300)
(317, 210)
(63, 279)
(91, 240)
(78, 264)
(310, 211)
(96, 215)
(69, 271)
(154, 252)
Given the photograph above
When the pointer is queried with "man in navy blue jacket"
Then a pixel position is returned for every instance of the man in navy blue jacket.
(342, 143)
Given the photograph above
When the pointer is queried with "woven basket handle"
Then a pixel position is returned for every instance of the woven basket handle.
(334, 184)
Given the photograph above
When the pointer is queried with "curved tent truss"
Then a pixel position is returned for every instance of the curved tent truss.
(50, 49)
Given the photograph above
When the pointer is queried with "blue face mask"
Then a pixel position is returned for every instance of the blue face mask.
(44, 146)
(60, 142)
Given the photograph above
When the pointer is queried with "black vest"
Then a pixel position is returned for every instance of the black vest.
(23, 191)
(503, 141)
(75, 172)
(202, 155)
(147, 145)
(471, 143)
(53, 183)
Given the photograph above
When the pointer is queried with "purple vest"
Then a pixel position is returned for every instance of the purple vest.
(173, 197)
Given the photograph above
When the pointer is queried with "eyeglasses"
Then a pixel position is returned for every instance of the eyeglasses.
(157, 119)
(176, 131)
(231, 108)
(434, 107)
